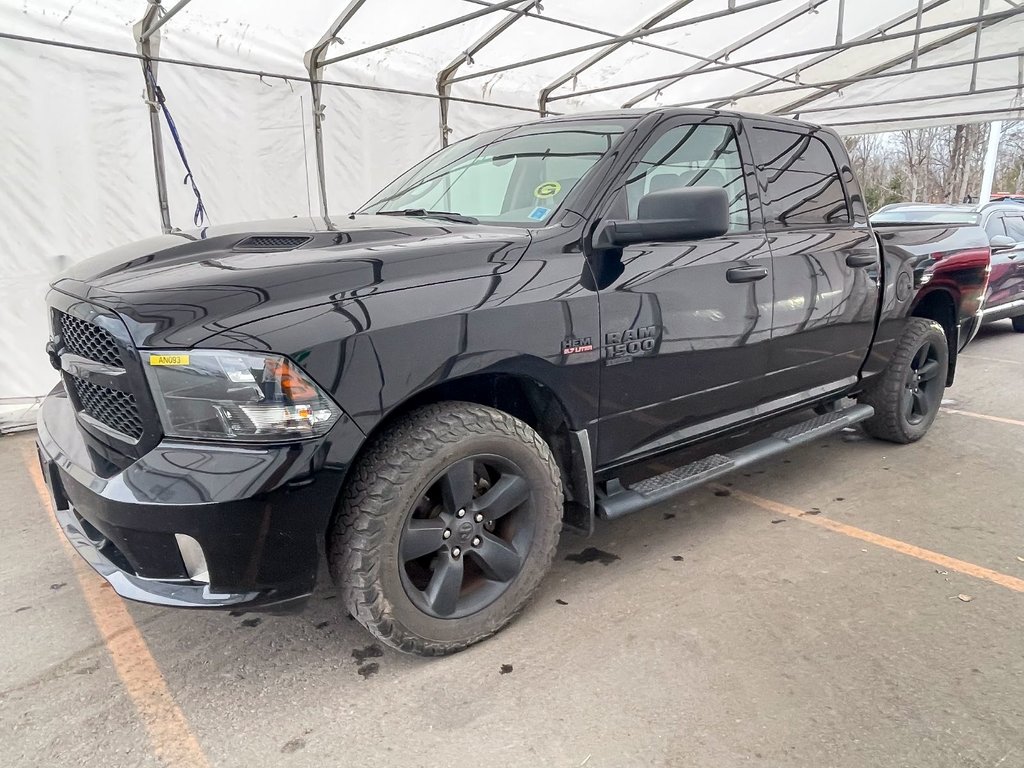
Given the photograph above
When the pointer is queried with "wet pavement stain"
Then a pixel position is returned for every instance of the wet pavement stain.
(593, 554)
(505, 669)
(372, 651)
(293, 746)
(252, 622)
(368, 670)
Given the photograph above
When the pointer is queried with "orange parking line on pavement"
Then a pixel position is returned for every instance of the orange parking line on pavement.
(169, 733)
(985, 416)
(949, 563)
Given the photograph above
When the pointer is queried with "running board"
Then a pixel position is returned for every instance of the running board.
(620, 500)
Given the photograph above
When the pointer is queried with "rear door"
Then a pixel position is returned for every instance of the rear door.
(685, 325)
(825, 261)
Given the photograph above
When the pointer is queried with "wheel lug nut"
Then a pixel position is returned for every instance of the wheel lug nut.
(478, 517)
(476, 541)
(447, 533)
(456, 552)
(461, 513)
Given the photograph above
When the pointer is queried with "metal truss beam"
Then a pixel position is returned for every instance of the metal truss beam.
(653, 21)
(725, 52)
(500, 6)
(627, 38)
(154, 23)
(826, 49)
(843, 82)
(795, 106)
(444, 77)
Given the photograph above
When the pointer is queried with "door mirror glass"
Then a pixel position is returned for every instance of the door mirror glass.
(1002, 243)
(672, 215)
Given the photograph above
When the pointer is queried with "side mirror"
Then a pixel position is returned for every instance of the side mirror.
(686, 213)
(1002, 243)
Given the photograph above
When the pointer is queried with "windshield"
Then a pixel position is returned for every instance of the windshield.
(519, 176)
(925, 215)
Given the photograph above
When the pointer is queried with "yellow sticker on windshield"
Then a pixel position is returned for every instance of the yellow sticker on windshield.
(547, 189)
(168, 359)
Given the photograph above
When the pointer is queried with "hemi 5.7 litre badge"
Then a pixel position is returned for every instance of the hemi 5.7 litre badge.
(623, 346)
(575, 346)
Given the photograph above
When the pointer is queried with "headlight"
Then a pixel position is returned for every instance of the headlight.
(244, 396)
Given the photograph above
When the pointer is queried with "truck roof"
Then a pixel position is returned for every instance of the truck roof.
(674, 112)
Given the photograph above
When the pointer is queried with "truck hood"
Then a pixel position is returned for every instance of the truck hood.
(178, 289)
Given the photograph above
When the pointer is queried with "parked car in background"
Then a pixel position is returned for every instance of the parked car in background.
(1003, 222)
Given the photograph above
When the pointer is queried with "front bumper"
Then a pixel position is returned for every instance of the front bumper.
(259, 513)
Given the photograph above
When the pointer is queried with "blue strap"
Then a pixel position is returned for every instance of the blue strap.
(200, 213)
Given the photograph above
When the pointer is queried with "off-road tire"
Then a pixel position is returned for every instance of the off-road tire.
(382, 490)
(885, 394)
(1018, 323)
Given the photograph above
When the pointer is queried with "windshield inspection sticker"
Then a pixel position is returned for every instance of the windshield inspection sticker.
(539, 213)
(547, 189)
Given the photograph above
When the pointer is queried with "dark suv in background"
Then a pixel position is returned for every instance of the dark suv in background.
(1003, 222)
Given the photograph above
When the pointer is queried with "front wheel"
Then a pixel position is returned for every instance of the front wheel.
(906, 397)
(448, 524)
(1018, 323)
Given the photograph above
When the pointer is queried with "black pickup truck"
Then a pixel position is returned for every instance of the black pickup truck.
(427, 390)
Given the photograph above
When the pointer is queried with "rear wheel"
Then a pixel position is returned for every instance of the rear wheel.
(448, 525)
(907, 396)
(1018, 323)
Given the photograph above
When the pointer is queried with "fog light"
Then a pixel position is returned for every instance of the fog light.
(193, 557)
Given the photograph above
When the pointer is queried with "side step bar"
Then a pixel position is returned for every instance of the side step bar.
(619, 500)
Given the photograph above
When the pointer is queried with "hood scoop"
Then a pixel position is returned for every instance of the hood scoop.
(257, 243)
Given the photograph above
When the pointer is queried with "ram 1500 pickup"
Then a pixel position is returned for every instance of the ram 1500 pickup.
(426, 391)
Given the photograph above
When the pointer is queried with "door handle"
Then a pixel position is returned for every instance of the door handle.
(746, 274)
(860, 260)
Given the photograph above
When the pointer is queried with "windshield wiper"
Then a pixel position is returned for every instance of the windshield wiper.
(446, 215)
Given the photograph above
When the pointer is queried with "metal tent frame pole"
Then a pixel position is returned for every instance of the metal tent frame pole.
(724, 53)
(501, 6)
(826, 49)
(148, 43)
(720, 101)
(797, 69)
(808, 101)
(313, 60)
(444, 77)
(653, 21)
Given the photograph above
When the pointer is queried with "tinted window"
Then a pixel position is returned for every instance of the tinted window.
(1015, 227)
(692, 156)
(994, 226)
(801, 179)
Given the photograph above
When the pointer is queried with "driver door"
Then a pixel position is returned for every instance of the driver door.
(685, 326)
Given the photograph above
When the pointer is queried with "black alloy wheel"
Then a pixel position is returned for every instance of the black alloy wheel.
(464, 542)
(923, 389)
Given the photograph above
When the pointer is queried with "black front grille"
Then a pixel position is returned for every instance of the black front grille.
(89, 341)
(118, 410)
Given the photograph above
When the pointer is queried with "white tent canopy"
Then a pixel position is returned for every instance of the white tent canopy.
(256, 86)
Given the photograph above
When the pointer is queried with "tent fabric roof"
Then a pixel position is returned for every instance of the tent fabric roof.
(286, 108)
